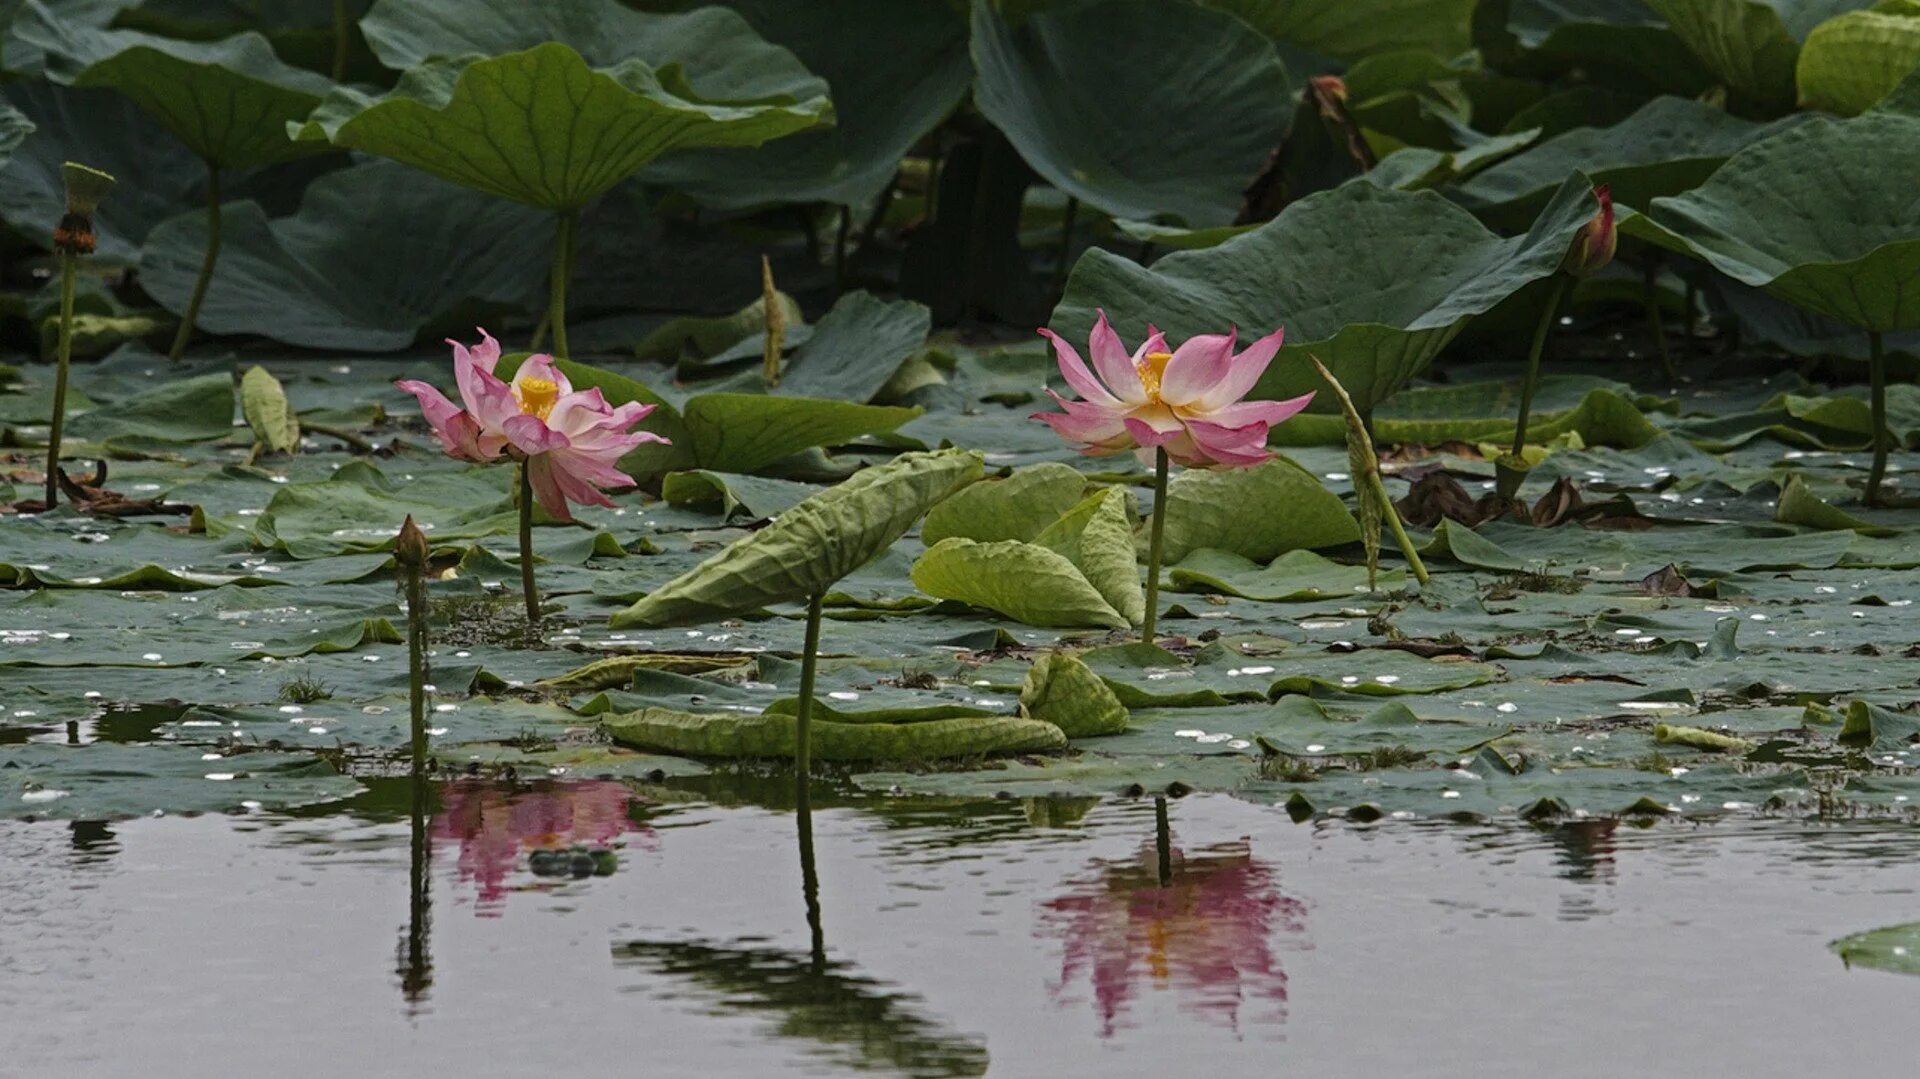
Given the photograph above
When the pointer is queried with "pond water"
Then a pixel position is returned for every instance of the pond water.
(999, 937)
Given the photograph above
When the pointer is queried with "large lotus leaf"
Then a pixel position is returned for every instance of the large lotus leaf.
(1294, 577)
(772, 735)
(1809, 216)
(1257, 513)
(1667, 146)
(544, 127)
(856, 347)
(1097, 537)
(230, 101)
(110, 782)
(1177, 129)
(1018, 507)
(1062, 690)
(896, 68)
(376, 253)
(1850, 62)
(1895, 949)
(1750, 45)
(182, 410)
(812, 545)
(1024, 581)
(1623, 45)
(1351, 29)
(1374, 282)
(158, 177)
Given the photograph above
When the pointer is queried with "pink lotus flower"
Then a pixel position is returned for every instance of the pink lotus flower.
(571, 441)
(1187, 401)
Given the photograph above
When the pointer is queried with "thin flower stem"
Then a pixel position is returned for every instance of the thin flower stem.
(562, 269)
(526, 546)
(1560, 283)
(1877, 375)
(1163, 840)
(207, 263)
(341, 32)
(1656, 323)
(1392, 515)
(802, 734)
(1156, 533)
(417, 662)
(58, 423)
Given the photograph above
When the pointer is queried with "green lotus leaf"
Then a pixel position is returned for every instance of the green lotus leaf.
(855, 348)
(1623, 45)
(1294, 577)
(812, 545)
(375, 254)
(1175, 130)
(1895, 949)
(1374, 282)
(1257, 513)
(1808, 215)
(1062, 690)
(660, 730)
(1017, 508)
(263, 401)
(1750, 45)
(115, 782)
(1097, 537)
(1666, 147)
(1851, 61)
(1352, 29)
(555, 125)
(891, 83)
(229, 101)
(1024, 581)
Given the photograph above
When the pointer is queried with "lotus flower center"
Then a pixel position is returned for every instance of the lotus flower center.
(1152, 369)
(536, 396)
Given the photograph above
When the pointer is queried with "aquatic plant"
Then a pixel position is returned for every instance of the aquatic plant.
(1184, 405)
(72, 238)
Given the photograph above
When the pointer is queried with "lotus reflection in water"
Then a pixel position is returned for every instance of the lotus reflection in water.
(1208, 934)
(496, 825)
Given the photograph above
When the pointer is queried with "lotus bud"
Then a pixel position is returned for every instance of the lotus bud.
(85, 188)
(410, 547)
(1593, 245)
(1329, 92)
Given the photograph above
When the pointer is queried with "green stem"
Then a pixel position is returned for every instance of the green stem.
(58, 423)
(1163, 841)
(1560, 283)
(1156, 532)
(562, 269)
(526, 546)
(185, 333)
(354, 442)
(1882, 438)
(1379, 486)
(1657, 325)
(340, 35)
(810, 885)
(417, 663)
(803, 732)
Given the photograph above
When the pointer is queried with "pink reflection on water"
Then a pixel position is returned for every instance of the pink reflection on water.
(497, 825)
(1208, 936)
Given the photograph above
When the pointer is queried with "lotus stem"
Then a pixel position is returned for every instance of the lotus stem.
(1163, 840)
(803, 719)
(527, 587)
(1066, 246)
(776, 331)
(1882, 438)
(810, 883)
(57, 424)
(341, 32)
(207, 263)
(1156, 534)
(354, 442)
(1560, 283)
(416, 586)
(1379, 485)
(1657, 325)
(562, 269)
(416, 969)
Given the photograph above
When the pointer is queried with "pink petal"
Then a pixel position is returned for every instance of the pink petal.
(1074, 370)
(1089, 425)
(1242, 413)
(546, 488)
(1244, 373)
(1115, 366)
(1233, 446)
(541, 366)
(1197, 366)
(532, 437)
(458, 432)
(1152, 430)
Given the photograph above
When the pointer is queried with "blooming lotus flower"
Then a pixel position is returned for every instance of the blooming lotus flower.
(1186, 401)
(571, 441)
(1593, 245)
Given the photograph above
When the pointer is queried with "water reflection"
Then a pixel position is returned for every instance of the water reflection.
(1201, 924)
(495, 825)
(414, 953)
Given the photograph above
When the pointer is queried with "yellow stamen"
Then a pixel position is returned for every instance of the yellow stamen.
(1152, 369)
(536, 396)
